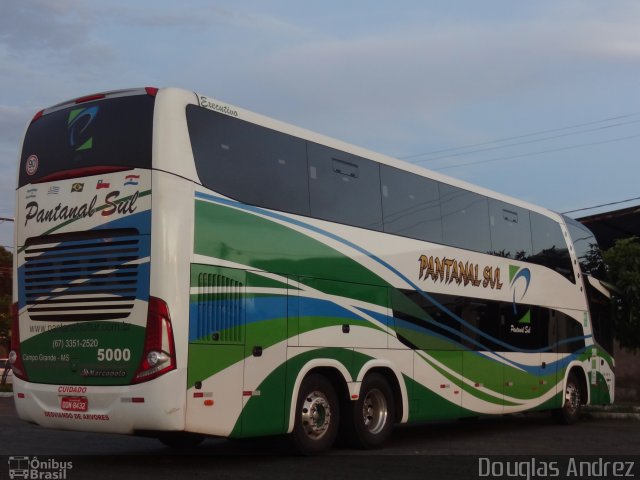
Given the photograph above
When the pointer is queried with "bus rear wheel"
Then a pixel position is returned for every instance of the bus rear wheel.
(317, 416)
(369, 420)
(573, 400)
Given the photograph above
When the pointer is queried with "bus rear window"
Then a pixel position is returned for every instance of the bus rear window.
(115, 132)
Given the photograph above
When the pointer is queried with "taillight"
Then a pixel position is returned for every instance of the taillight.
(159, 354)
(151, 91)
(15, 358)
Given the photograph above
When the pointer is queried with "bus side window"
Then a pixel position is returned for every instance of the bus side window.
(465, 219)
(411, 205)
(510, 230)
(344, 188)
(549, 246)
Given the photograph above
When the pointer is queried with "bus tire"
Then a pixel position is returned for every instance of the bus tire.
(369, 420)
(573, 400)
(317, 416)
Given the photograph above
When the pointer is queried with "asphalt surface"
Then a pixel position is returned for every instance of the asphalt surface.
(451, 450)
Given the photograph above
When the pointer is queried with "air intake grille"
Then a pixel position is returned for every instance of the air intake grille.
(220, 308)
(83, 276)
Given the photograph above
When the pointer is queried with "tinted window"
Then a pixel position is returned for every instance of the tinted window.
(427, 326)
(570, 333)
(601, 310)
(549, 246)
(510, 230)
(344, 188)
(465, 219)
(586, 249)
(114, 133)
(411, 205)
(484, 324)
(247, 162)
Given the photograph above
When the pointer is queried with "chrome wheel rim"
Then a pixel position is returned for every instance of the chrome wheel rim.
(315, 415)
(374, 411)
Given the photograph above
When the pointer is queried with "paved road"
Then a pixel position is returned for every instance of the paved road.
(412, 452)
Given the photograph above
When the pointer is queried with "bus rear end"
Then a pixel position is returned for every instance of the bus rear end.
(91, 348)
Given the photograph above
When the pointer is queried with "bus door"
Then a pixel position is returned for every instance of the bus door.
(217, 332)
(263, 392)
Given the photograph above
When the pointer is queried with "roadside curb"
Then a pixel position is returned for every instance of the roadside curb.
(614, 412)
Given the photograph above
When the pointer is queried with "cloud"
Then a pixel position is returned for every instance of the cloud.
(13, 121)
(427, 75)
(44, 24)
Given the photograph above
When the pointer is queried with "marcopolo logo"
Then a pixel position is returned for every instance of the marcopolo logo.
(33, 468)
(79, 125)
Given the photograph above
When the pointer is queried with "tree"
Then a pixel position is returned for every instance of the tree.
(6, 263)
(623, 266)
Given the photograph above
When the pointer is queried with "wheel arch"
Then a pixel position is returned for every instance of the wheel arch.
(581, 374)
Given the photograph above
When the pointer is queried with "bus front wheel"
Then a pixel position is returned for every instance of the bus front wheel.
(317, 416)
(573, 400)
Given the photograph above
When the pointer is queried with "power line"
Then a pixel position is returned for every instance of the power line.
(541, 132)
(553, 137)
(530, 154)
(602, 205)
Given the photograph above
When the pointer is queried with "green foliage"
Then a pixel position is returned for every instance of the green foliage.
(6, 263)
(623, 264)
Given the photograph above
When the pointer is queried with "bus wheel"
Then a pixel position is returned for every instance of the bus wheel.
(317, 416)
(573, 399)
(371, 417)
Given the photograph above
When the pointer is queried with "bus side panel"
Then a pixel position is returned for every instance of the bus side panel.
(216, 349)
(265, 356)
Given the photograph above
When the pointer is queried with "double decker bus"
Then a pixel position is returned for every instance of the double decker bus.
(186, 268)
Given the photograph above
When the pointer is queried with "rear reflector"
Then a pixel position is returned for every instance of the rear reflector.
(37, 116)
(89, 98)
(81, 172)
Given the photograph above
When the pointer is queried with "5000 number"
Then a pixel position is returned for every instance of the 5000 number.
(114, 354)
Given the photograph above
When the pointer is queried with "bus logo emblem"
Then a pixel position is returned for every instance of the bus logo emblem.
(516, 273)
(31, 165)
(78, 122)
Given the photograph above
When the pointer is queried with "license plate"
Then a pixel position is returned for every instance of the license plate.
(74, 404)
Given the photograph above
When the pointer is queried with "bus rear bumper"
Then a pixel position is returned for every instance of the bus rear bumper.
(155, 405)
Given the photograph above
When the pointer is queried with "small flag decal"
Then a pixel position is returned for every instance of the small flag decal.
(131, 180)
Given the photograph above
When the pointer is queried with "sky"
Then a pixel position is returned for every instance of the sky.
(537, 100)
